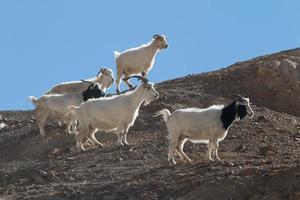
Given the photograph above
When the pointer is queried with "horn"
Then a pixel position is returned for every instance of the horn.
(237, 95)
(155, 36)
(87, 82)
(101, 71)
(143, 79)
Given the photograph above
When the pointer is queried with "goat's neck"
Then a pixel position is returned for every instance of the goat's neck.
(99, 80)
(136, 98)
(93, 80)
(152, 49)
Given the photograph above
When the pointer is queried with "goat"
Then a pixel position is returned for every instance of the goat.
(209, 125)
(116, 113)
(105, 78)
(55, 105)
(138, 60)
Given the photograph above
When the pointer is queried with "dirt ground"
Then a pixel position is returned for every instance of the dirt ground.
(259, 156)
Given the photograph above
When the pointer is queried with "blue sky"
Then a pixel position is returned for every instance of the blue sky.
(44, 42)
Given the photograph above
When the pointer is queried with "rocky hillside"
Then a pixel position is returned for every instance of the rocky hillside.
(260, 156)
(272, 81)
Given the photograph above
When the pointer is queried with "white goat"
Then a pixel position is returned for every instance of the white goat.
(138, 60)
(55, 106)
(116, 113)
(105, 80)
(209, 125)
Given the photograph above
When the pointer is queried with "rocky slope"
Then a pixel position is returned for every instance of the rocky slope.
(260, 156)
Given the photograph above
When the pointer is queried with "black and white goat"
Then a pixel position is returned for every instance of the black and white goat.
(54, 106)
(209, 125)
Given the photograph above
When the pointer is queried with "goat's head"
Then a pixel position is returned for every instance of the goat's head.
(105, 77)
(147, 88)
(161, 41)
(243, 106)
(93, 91)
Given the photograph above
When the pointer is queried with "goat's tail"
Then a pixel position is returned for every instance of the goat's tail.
(116, 54)
(165, 114)
(36, 101)
(33, 100)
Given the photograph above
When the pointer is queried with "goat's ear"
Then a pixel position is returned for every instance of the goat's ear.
(155, 36)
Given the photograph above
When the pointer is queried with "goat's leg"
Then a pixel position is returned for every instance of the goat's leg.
(41, 120)
(125, 136)
(91, 136)
(118, 79)
(68, 129)
(215, 149)
(128, 82)
(172, 148)
(179, 148)
(80, 136)
(120, 137)
(209, 150)
(74, 124)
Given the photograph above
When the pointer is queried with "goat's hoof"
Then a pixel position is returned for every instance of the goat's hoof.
(171, 162)
(211, 159)
(126, 144)
(99, 145)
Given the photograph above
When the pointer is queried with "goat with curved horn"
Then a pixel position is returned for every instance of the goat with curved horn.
(143, 79)
(87, 81)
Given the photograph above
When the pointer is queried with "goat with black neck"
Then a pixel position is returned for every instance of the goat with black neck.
(54, 106)
(209, 125)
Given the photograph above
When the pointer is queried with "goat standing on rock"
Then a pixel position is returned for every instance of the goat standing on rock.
(208, 125)
(138, 60)
(116, 113)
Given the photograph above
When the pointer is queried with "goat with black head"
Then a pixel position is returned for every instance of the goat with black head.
(207, 125)
(93, 91)
(55, 106)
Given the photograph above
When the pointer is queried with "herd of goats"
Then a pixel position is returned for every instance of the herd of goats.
(85, 108)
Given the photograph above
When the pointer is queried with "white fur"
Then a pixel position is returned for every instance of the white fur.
(105, 80)
(138, 60)
(111, 113)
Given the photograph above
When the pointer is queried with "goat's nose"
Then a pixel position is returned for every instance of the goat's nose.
(167, 46)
